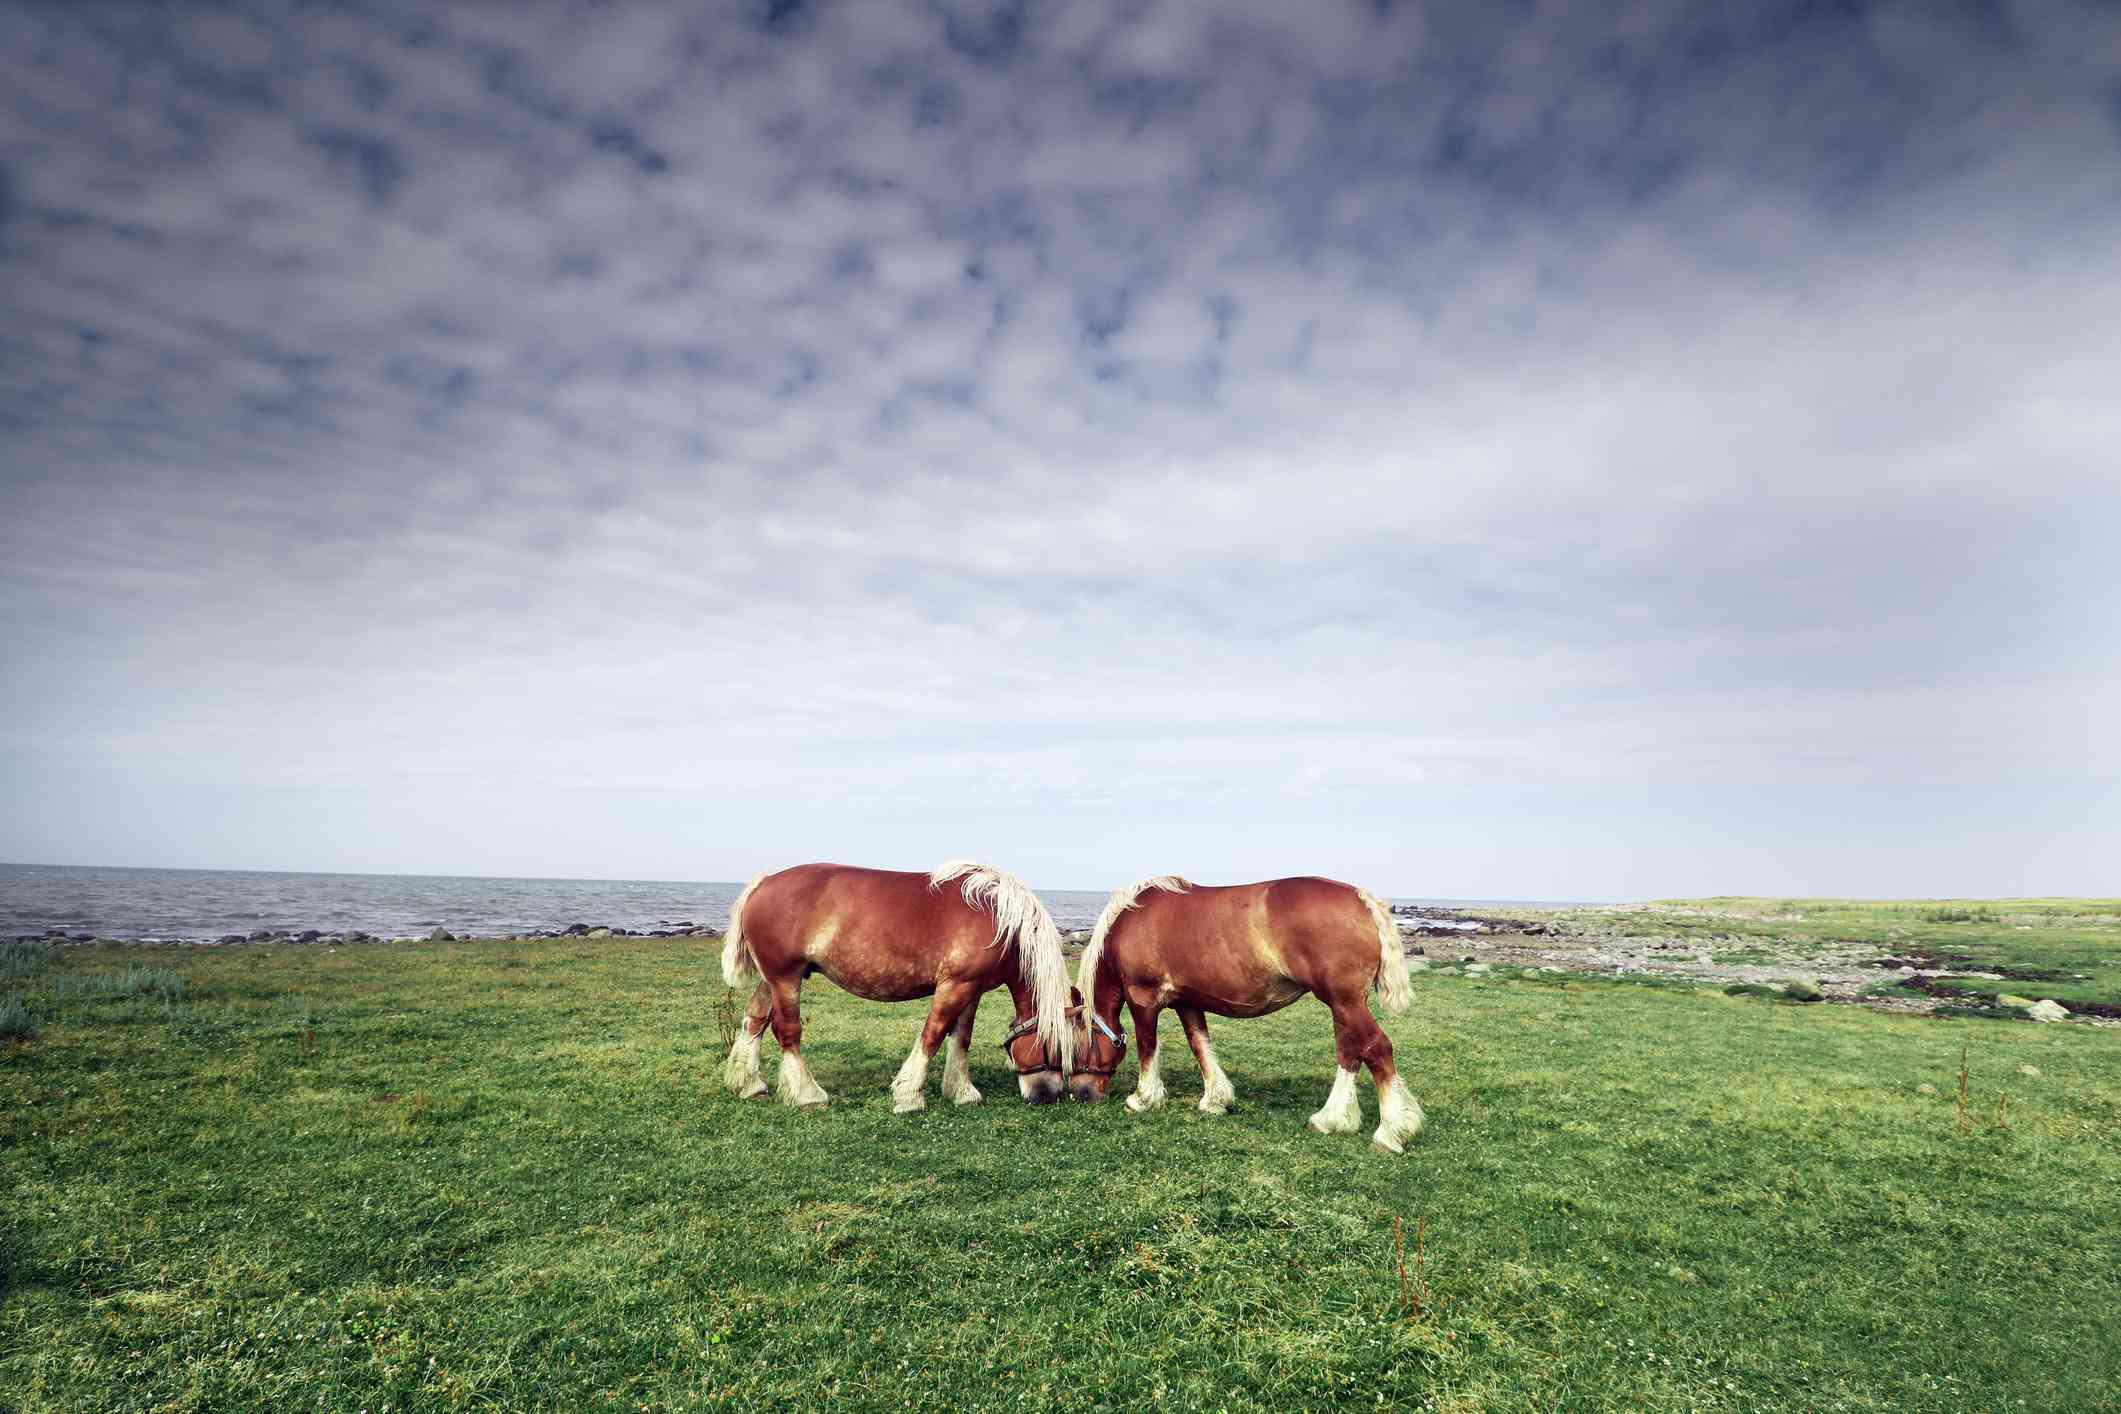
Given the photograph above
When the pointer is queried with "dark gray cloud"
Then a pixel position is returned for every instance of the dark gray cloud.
(954, 411)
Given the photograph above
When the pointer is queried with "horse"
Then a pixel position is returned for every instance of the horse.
(1246, 950)
(892, 936)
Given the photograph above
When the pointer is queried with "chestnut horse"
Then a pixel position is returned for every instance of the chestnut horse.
(891, 937)
(1246, 950)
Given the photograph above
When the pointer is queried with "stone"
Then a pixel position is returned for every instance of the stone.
(2047, 1009)
(261, 935)
(230, 938)
(2006, 999)
(1476, 969)
(597, 933)
(703, 933)
(1417, 964)
(308, 935)
(441, 935)
(575, 930)
(2032, 1070)
(1802, 989)
(1926, 1088)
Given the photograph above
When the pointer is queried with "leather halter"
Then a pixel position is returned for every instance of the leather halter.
(1025, 1028)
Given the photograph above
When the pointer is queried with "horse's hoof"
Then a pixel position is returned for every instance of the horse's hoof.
(912, 1106)
(1384, 1144)
(970, 1097)
(758, 1091)
(1138, 1105)
(1209, 1108)
(1322, 1125)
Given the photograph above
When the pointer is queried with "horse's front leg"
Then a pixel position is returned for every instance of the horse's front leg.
(958, 1088)
(951, 998)
(1217, 1094)
(1149, 1087)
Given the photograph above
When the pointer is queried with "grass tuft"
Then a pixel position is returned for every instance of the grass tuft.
(17, 1023)
(25, 957)
(151, 983)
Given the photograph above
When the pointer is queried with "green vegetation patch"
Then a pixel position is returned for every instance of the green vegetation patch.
(504, 1175)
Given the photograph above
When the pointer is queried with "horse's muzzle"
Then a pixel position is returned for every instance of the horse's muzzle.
(1040, 1089)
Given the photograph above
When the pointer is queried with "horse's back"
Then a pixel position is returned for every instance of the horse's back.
(879, 933)
(1255, 947)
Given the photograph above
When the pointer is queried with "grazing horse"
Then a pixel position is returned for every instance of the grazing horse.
(1246, 950)
(955, 934)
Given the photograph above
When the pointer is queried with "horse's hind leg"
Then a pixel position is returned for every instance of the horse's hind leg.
(797, 1088)
(741, 1071)
(957, 1059)
(1149, 1085)
(1217, 1093)
(1342, 1111)
(1360, 1041)
(951, 998)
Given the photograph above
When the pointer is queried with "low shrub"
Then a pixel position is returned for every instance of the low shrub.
(24, 958)
(153, 983)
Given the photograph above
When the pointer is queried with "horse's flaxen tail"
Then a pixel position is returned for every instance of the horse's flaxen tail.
(737, 962)
(1393, 988)
(1018, 914)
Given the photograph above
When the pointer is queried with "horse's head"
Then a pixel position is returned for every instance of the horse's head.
(1099, 1048)
(1038, 1072)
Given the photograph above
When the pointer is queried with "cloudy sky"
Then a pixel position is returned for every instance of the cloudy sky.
(1489, 449)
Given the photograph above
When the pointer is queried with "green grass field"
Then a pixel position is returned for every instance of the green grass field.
(503, 1175)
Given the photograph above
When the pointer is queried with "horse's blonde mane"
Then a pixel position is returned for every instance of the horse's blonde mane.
(1019, 914)
(1120, 902)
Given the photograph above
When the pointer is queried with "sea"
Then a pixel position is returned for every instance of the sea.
(200, 905)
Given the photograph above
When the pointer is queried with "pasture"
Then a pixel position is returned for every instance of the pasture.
(504, 1175)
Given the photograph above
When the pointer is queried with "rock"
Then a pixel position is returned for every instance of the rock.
(357, 936)
(1476, 969)
(1417, 964)
(2047, 1009)
(2032, 1070)
(308, 935)
(261, 935)
(1926, 1088)
(1802, 989)
(575, 930)
(441, 935)
(597, 933)
(226, 938)
(703, 933)
(2006, 999)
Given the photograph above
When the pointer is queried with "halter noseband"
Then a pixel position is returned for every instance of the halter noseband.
(1025, 1028)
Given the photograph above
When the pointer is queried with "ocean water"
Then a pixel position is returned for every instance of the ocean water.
(203, 904)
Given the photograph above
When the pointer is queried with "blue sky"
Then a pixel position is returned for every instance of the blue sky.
(1530, 450)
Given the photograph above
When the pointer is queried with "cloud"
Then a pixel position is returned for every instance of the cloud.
(1098, 404)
